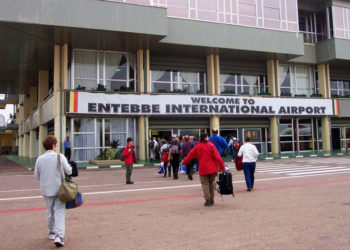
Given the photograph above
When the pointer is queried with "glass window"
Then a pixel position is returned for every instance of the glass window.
(94, 70)
(297, 80)
(340, 88)
(178, 82)
(243, 84)
(92, 136)
(286, 130)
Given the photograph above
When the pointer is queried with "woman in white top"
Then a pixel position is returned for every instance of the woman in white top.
(250, 155)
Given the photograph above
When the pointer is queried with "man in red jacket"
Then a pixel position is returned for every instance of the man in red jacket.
(129, 159)
(209, 160)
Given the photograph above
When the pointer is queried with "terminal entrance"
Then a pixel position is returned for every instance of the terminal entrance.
(336, 139)
(168, 134)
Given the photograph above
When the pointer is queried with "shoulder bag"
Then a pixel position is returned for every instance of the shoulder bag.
(68, 189)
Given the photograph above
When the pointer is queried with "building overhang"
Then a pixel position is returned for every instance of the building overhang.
(332, 50)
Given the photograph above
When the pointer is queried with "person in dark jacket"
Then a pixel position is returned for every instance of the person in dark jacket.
(209, 160)
(129, 159)
(186, 148)
(174, 157)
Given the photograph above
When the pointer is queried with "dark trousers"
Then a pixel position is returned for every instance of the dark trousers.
(67, 153)
(249, 170)
(175, 164)
(128, 172)
(234, 153)
(167, 168)
(189, 169)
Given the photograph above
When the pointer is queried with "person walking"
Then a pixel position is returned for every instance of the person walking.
(219, 142)
(47, 172)
(129, 159)
(234, 147)
(209, 160)
(186, 148)
(164, 150)
(67, 148)
(174, 157)
(250, 155)
(153, 146)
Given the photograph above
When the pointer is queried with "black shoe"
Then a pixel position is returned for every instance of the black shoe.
(249, 190)
(208, 204)
(175, 177)
(212, 202)
(190, 178)
(129, 182)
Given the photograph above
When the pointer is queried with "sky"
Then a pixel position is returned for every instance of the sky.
(7, 111)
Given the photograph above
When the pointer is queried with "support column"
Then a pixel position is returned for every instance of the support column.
(323, 79)
(43, 86)
(26, 106)
(42, 135)
(271, 75)
(140, 72)
(33, 98)
(60, 84)
(214, 123)
(32, 143)
(326, 134)
(20, 146)
(217, 75)
(142, 138)
(211, 74)
(147, 70)
(26, 145)
(274, 131)
(324, 87)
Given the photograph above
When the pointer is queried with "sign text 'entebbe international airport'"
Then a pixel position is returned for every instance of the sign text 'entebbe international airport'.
(130, 104)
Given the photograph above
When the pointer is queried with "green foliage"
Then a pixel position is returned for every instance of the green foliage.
(124, 89)
(80, 88)
(107, 154)
(228, 92)
(303, 95)
(115, 144)
(286, 94)
(101, 87)
(179, 91)
(162, 91)
(316, 95)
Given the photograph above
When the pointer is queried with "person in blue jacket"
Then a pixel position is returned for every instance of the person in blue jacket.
(219, 142)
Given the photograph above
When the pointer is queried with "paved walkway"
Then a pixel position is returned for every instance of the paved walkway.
(8, 167)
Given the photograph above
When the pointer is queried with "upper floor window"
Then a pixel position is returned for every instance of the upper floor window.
(268, 14)
(297, 80)
(341, 22)
(243, 84)
(307, 25)
(101, 70)
(340, 88)
(173, 81)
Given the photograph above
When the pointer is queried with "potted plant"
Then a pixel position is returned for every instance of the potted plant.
(303, 95)
(316, 95)
(228, 92)
(286, 94)
(162, 91)
(80, 88)
(101, 87)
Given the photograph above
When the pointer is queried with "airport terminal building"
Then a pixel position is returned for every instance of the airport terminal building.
(97, 70)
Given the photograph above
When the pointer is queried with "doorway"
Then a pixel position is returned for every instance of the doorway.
(162, 134)
(227, 134)
(336, 145)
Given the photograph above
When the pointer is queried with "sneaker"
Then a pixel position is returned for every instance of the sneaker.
(249, 190)
(52, 236)
(59, 242)
(129, 182)
(208, 204)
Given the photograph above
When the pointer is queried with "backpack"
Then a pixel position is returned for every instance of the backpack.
(236, 145)
(175, 149)
(225, 186)
(151, 145)
(121, 156)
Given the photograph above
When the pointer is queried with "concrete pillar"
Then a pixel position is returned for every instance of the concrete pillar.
(33, 98)
(26, 145)
(26, 106)
(42, 135)
(326, 134)
(43, 86)
(324, 80)
(147, 70)
(20, 146)
(217, 74)
(274, 135)
(32, 143)
(211, 74)
(140, 72)
(142, 138)
(271, 75)
(214, 123)
(60, 84)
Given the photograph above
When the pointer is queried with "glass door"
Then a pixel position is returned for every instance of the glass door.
(255, 135)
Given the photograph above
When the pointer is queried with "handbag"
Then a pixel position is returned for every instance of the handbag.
(238, 162)
(77, 202)
(68, 189)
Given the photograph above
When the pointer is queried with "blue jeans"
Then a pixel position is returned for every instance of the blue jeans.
(249, 170)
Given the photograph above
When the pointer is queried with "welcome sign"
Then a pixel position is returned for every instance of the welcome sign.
(132, 104)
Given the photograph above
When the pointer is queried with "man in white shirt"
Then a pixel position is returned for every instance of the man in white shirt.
(250, 155)
(47, 172)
